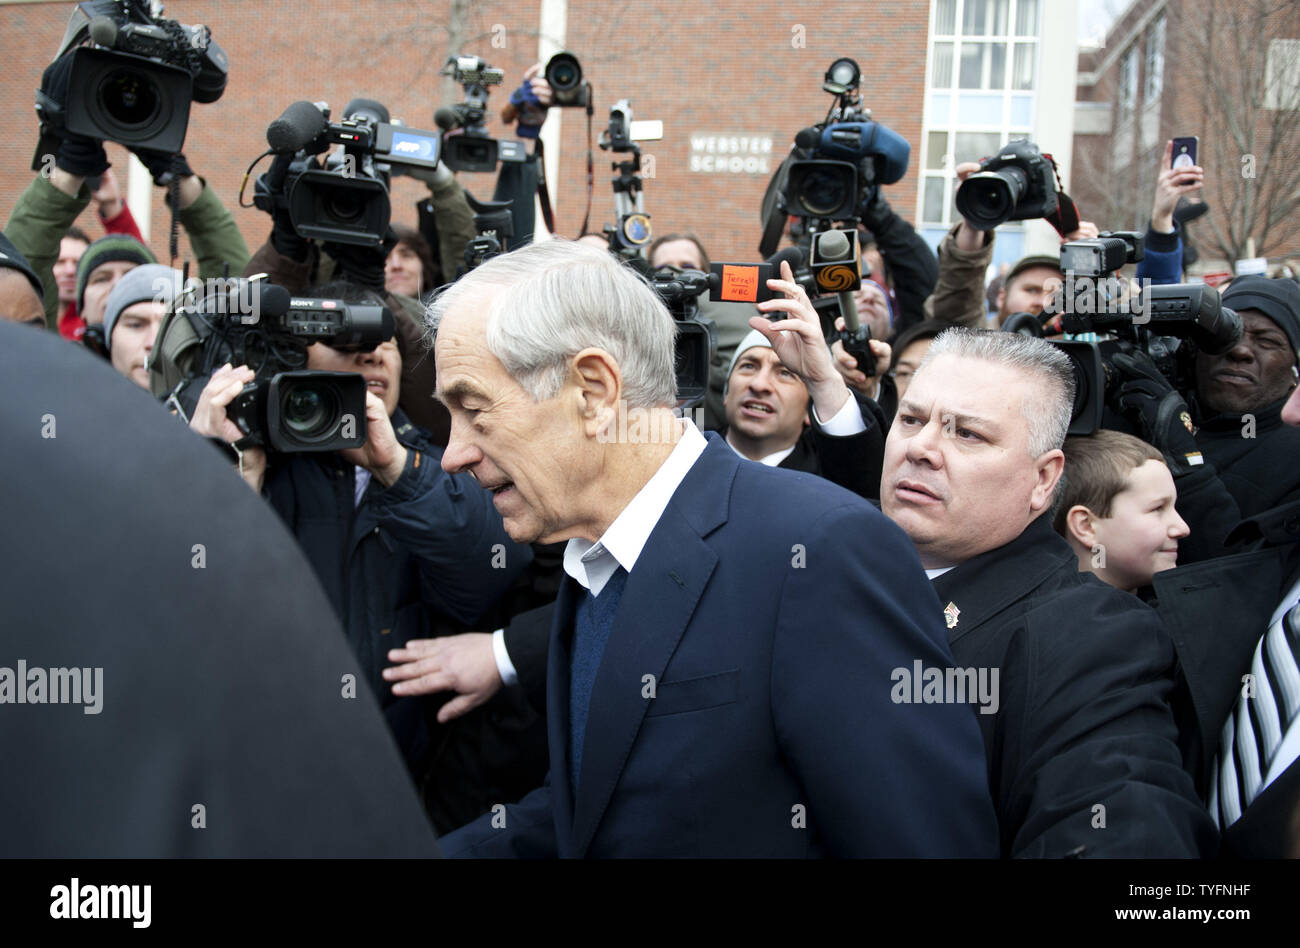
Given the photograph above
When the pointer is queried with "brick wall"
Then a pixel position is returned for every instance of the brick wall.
(732, 67)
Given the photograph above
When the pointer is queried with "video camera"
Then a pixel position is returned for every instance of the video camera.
(697, 338)
(632, 234)
(832, 176)
(286, 408)
(1169, 323)
(835, 166)
(346, 201)
(466, 144)
(132, 83)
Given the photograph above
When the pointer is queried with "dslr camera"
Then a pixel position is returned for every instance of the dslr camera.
(347, 200)
(286, 408)
(124, 75)
(1016, 184)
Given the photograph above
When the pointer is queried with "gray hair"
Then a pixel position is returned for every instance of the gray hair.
(558, 297)
(1049, 419)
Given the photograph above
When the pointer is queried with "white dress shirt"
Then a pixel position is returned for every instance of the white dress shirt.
(592, 564)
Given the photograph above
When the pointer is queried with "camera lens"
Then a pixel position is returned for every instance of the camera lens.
(345, 206)
(129, 99)
(310, 410)
(563, 72)
(989, 198)
(822, 193)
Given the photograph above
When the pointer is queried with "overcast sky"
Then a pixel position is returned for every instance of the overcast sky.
(1095, 16)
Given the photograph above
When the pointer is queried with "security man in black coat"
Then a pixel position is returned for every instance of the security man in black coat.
(1081, 743)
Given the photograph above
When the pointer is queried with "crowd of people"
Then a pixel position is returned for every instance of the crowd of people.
(891, 610)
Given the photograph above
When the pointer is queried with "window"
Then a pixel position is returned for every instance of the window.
(1128, 83)
(983, 75)
(1155, 63)
(1282, 76)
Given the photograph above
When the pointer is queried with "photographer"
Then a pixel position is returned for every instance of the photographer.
(964, 257)
(296, 262)
(404, 550)
(1230, 454)
(47, 209)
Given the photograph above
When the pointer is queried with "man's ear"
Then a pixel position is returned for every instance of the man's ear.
(1079, 524)
(598, 386)
(1049, 467)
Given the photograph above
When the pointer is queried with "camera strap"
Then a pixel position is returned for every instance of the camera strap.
(1066, 216)
(543, 193)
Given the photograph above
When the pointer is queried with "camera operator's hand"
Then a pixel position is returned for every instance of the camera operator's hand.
(541, 88)
(382, 454)
(107, 197)
(210, 419)
(799, 344)
(461, 663)
(284, 238)
(847, 366)
(1148, 399)
(165, 168)
(968, 238)
(436, 178)
(1172, 184)
(81, 156)
(1085, 231)
(362, 265)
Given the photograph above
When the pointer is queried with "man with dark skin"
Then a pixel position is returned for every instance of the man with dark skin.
(1231, 455)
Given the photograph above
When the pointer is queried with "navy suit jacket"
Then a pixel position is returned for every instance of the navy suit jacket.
(743, 702)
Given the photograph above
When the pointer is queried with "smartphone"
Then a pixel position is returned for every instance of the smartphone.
(1185, 152)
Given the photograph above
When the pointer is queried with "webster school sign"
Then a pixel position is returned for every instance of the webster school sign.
(712, 153)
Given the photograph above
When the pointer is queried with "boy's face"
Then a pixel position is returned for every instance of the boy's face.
(1140, 537)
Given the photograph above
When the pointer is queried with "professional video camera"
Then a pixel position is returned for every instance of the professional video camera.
(495, 227)
(830, 177)
(631, 235)
(466, 145)
(835, 167)
(132, 83)
(346, 201)
(697, 338)
(1168, 323)
(286, 408)
(1019, 183)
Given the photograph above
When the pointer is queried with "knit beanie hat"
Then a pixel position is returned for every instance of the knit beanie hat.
(107, 249)
(152, 281)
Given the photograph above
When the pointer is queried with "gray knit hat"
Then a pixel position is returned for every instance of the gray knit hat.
(153, 281)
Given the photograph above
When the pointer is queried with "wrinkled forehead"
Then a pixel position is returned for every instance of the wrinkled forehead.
(978, 387)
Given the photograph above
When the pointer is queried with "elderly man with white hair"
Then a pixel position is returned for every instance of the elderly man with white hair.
(719, 677)
(1082, 752)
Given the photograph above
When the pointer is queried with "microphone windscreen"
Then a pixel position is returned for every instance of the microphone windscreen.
(445, 119)
(300, 125)
(790, 255)
(103, 30)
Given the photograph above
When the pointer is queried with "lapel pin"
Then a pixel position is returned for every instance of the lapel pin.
(950, 614)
